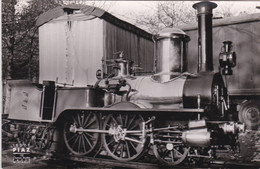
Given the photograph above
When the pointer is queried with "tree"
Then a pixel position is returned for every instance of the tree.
(175, 13)
(20, 37)
(223, 11)
(8, 38)
(103, 4)
(166, 14)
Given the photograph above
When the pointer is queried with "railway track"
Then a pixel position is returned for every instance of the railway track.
(52, 161)
(145, 165)
(113, 163)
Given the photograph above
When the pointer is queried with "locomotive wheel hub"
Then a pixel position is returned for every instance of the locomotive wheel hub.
(73, 128)
(80, 132)
(118, 133)
(169, 146)
(252, 114)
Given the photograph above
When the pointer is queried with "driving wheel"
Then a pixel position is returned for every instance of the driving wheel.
(124, 140)
(82, 143)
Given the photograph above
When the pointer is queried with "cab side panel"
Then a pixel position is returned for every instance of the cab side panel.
(25, 101)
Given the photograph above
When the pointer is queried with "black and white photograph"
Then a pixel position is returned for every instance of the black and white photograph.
(130, 84)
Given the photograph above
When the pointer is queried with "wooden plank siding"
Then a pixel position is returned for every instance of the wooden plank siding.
(136, 48)
(71, 53)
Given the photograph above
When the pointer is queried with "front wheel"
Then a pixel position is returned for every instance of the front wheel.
(169, 149)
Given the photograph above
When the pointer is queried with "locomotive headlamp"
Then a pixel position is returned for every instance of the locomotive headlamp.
(227, 58)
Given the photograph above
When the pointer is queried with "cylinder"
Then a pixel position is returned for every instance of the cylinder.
(205, 52)
(197, 137)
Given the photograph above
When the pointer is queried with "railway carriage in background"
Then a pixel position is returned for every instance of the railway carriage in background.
(90, 100)
(74, 39)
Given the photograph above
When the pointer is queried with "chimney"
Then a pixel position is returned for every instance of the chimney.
(204, 14)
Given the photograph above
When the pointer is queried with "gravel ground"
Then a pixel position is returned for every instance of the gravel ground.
(43, 163)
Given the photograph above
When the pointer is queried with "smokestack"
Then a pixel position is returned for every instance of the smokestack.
(205, 58)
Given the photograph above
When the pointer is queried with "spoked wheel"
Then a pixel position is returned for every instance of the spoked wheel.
(78, 142)
(249, 114)
(170, 155)
(24, 135)
(42, 140)
(124, 140)
(6, 127)
(169, 150)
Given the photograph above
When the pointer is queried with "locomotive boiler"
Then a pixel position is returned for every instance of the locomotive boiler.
(176, 114)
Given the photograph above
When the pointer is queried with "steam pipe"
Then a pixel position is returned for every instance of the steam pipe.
(205, 52)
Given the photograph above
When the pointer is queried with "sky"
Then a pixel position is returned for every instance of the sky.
(130, 10)
(123, 7)
(127, 9)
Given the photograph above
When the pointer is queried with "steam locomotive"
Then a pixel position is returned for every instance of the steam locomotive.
(177, 114)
